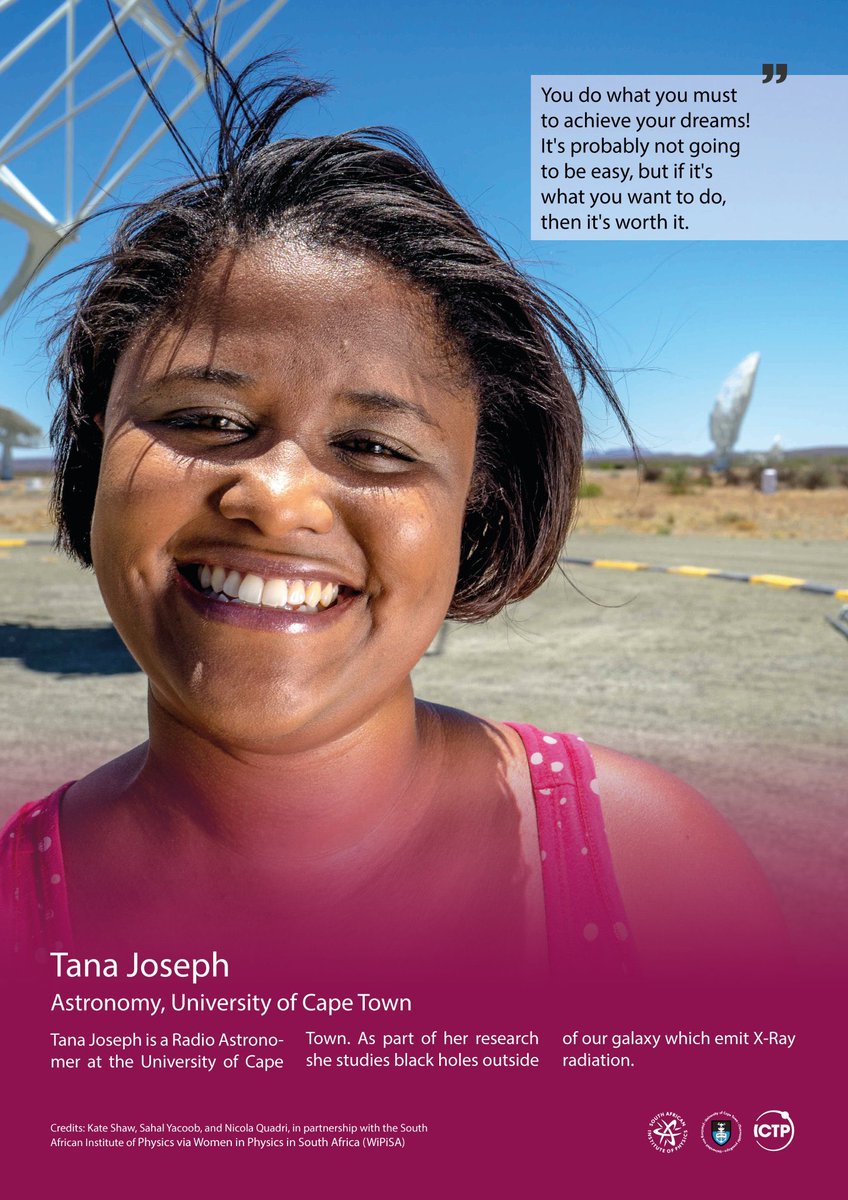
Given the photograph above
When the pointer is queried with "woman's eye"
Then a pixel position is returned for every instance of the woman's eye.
(214, 422)
(367, 447)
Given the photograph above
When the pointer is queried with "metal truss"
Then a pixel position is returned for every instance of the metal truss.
(43, 228)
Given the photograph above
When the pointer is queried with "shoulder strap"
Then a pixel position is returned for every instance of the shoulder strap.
(587, 928)
(33, 894)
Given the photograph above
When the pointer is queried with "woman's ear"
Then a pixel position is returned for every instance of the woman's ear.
(99, 420)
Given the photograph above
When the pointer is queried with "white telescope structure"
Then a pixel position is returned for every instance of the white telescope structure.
(78, 86)
(15, 430)
(730, 407)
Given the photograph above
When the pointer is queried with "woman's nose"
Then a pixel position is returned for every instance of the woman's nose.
(279, 492)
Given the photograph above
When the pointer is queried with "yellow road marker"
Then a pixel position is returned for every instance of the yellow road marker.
(780, 581)
(615, 564)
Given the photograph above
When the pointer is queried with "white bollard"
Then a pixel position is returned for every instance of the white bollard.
(768, 481)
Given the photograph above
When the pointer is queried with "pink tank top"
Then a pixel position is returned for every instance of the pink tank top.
(587, 931)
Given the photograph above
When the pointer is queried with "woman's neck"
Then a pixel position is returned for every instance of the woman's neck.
(377, 838)
(363, 790)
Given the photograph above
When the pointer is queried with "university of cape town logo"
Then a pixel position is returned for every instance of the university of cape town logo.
(721, 1132)
(667, 1132)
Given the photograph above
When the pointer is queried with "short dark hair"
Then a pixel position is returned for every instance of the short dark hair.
(368, 192)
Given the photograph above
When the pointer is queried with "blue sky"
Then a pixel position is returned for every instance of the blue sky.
(671, 319)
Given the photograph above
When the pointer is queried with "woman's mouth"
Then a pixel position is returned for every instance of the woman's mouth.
(228, 586)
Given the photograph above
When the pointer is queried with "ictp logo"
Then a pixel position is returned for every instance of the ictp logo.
(773, 1130)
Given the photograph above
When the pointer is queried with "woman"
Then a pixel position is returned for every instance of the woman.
(308, 411)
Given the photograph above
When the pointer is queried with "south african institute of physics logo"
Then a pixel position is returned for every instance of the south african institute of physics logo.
(721, 1132)
(667, 1132)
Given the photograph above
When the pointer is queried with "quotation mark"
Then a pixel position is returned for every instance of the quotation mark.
(774, 71)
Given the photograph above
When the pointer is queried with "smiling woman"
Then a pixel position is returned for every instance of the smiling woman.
(308, 410)
(325, 448)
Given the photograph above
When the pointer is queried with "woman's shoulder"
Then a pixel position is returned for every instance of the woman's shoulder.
(34, 824)
(648, 812)
(695, 898)
(639, 792)
(693, 890)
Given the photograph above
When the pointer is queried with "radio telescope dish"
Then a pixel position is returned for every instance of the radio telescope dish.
(730, 407)
(61, 84)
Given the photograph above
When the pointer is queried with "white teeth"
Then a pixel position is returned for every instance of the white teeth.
(275, 594)
(307, 596)
(251, 588)
(232, 584)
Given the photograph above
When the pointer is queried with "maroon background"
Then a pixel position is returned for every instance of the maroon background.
(492, 1131)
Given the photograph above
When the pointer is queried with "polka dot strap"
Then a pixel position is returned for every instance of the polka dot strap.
(33, 895)
(586, 924)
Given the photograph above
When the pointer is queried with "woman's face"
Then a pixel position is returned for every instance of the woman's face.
(303, 439)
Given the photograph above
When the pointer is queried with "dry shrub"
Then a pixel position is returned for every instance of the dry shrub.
(815, 476)
(650, 472)
(677, 480)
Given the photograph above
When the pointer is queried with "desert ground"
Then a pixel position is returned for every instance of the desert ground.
(720, 510)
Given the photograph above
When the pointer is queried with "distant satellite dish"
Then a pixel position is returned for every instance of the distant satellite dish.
(78, 88)
(730, 407)
(15, 430)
